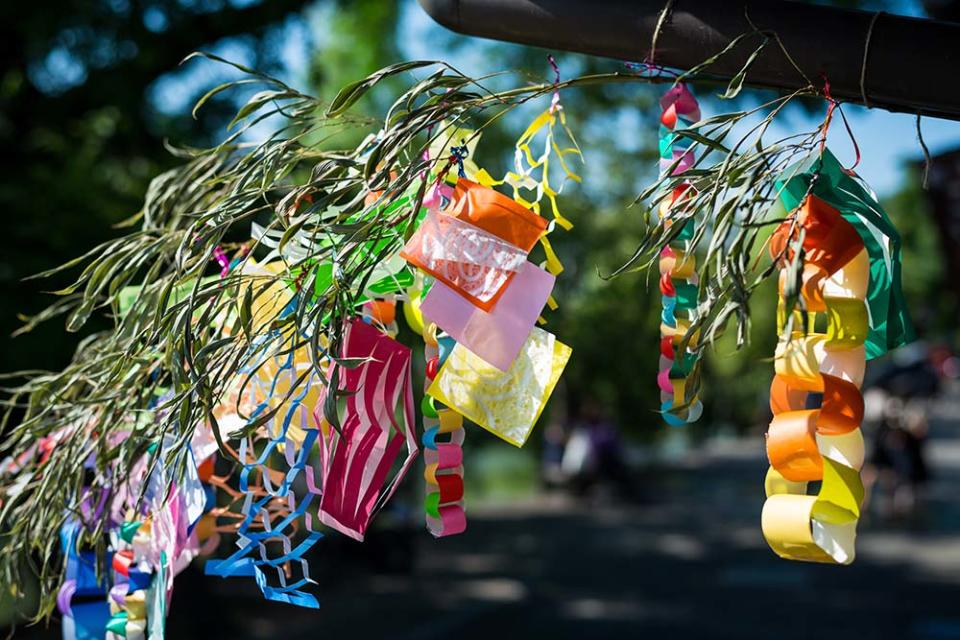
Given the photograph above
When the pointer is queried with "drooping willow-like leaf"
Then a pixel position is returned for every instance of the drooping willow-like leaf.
(330, 215)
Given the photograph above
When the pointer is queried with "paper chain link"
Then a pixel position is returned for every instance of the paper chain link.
(678, 279)
(442, 440)
(822, 444)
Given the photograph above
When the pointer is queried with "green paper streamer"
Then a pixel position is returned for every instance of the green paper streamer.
(890, 325)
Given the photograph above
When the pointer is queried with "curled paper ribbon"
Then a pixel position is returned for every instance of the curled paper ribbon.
(678, 280)
(823, 176)
(532, 173)
(823, 444)
(442, 440)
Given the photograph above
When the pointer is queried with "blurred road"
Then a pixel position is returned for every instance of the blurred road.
(687, 561)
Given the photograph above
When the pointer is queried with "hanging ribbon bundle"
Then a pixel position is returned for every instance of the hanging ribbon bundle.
(477, 300)
(322, 430)
(487, 298)
(849, 252)
(679, 363)
(151, 540)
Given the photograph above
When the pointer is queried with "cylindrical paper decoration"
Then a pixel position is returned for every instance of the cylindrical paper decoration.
(678, 279)
(806, 443)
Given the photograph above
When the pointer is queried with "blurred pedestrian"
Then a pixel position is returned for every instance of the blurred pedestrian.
(594, 455)
(552, 475)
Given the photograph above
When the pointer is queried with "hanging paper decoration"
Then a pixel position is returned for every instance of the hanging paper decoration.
(443, 437)
(88, 619)
(278, 398)
(478, 246)
(376, 426)
(151, 524)
(532, 174)
(483, 301)
(509, 403)
(443, 432)
(678, 376)
(498, 335)
(311, 429)
(850, 260)
(469, 281)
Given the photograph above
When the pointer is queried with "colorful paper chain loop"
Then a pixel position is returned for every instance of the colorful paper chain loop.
(680, 402)
(442, 441)
(823, 444)
(850, 275)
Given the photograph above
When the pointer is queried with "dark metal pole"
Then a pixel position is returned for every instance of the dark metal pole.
(908, 66)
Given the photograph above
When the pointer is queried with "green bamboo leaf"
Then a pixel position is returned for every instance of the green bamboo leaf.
(290, 233)
(349, 94)
(736, 83)
(209, 94)
(255, 102)
(701, 139)
(246, 312)
(79, 316)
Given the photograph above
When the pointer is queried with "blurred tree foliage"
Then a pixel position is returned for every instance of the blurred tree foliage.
(80, 136)
(82, 124)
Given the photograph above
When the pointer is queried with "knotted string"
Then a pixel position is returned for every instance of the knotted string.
(654, 70)
(458, 155)
(555, 101)
(835, 105)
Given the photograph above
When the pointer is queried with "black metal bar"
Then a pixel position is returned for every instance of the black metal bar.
(909, 64)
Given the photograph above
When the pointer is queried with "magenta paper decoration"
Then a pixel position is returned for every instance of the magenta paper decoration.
(498, 335)
(357, 461)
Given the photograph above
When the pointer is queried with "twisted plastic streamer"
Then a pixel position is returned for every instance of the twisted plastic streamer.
(825, 443)
(680, 404)
(442, 440)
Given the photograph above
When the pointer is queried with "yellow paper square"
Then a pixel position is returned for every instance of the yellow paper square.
(505, 403)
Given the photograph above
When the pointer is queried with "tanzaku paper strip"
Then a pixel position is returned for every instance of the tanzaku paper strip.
(505, 403)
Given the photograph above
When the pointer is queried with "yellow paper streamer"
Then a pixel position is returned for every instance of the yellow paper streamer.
(527, 164)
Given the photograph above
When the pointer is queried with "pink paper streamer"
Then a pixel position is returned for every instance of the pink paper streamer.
(498, 335)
